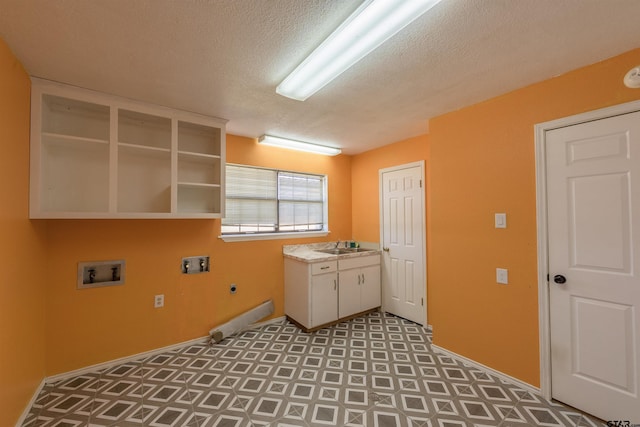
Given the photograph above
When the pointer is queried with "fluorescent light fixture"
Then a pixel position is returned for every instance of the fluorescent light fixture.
(291, 144)
(373, 23)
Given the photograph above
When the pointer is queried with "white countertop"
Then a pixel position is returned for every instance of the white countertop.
(308, 253)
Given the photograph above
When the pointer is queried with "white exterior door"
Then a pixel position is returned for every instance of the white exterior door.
(593, 199)
(403, 256)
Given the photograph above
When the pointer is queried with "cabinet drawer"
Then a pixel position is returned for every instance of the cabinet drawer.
(324, 267)
(357, 262)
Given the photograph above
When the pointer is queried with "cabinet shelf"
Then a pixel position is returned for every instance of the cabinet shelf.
(199, 168)
(197, 185)
(100, 156)
(198, 198)
(144, 129)
(73, 117)
(143, 149)
(199, 138)
(58, 138)
(199, 157)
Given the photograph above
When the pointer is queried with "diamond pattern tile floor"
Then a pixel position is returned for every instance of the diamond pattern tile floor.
(377, 370)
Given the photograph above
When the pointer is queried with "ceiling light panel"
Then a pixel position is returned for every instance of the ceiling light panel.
(292, 144)
(373, 23)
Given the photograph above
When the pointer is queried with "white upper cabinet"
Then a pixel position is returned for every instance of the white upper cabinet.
(99, 156)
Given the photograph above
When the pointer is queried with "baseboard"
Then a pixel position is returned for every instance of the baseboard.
(114, 362)
(111, 363)
(27, 408)
(501, 375)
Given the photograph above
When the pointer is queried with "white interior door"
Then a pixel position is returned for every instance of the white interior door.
(593, 196)
(403, 256)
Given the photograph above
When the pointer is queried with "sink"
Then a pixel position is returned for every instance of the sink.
(342, 251)
(337, 251)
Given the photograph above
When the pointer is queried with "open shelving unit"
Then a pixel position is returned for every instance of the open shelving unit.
(74, 133)
(99, 156)
(144, 163)
(199, 168)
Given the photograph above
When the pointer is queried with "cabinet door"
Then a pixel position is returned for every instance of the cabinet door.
(349, 292)
(324, 299)
(370, 288)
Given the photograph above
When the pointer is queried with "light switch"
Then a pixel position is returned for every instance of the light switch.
(501, 220)
(502, 276)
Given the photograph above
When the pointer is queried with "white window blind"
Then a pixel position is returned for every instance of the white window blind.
(301, 201)
(271, 201)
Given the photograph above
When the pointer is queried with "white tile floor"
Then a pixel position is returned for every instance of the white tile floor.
(377, 370)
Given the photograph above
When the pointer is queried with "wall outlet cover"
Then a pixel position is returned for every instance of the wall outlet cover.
(158, 301)
(502, 276)
(501, 220)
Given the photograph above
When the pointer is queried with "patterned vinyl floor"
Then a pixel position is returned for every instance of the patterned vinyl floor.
(377, 370)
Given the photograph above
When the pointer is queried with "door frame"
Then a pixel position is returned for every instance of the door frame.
(421, 164)
(542, 224)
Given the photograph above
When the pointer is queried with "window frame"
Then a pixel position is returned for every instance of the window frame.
(275, 235)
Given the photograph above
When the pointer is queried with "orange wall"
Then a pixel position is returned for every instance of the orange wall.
(365, 182)
(482, 161)
(22, 286)
(85, 327)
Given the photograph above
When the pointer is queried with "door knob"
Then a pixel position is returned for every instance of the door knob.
(559, 279)
(385, 249)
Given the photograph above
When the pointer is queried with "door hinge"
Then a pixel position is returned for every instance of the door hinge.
(420, 183)
(423, 302)
(547, 277)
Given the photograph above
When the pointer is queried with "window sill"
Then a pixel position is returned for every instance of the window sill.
(272, 236)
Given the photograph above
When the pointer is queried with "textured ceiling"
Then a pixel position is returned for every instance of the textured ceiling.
(225, 57)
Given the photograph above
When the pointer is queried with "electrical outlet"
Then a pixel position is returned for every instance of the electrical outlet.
(158, 301)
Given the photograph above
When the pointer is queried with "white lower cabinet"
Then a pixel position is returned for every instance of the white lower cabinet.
(320, 293)
(311, 292)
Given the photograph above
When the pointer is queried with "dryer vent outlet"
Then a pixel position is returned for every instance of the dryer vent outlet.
(241, 322)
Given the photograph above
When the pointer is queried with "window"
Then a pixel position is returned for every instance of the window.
(273, 201)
